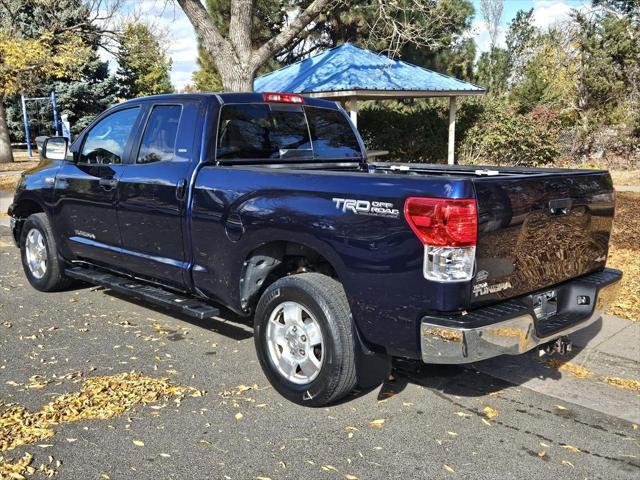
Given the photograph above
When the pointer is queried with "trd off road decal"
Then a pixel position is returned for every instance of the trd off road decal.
(365, 207)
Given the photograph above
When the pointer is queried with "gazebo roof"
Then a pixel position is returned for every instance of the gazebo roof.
(350, 71)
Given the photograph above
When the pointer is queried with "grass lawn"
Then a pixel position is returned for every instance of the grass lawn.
(8, 183)
(625, 177)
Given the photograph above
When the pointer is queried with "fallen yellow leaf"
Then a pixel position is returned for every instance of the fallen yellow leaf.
(567, 462)
(490, 412)
(626, 383)
(350, 477)
(570, 448)
(575, 370)
(462, 414)
(377, 423)
(138, 443)
(448, 468)
(329, 468)
(239, 416)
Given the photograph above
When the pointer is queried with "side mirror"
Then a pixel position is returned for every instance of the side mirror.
(54, 148)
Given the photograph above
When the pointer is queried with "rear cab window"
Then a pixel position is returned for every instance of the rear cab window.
(270, 131)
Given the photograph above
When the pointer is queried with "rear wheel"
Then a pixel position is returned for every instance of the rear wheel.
(304, 339)
(42, 265)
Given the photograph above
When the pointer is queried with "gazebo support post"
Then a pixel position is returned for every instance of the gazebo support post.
(352, 106)
(452, 131)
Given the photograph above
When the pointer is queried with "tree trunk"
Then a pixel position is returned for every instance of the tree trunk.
(6, 155)
(237, 78)
(236, 60)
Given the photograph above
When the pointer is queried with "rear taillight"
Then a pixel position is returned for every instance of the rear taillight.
(448, 229)
(282, 98)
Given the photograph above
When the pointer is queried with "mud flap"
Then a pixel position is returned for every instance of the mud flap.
(372, 368)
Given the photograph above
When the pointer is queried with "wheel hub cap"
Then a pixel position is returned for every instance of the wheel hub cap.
(295, 343)
(36, 253)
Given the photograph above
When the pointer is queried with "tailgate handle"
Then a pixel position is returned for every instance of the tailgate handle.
(560, 206)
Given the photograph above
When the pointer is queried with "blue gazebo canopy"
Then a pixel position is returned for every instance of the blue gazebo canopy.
(348, 71)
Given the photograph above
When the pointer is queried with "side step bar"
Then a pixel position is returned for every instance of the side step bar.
(158, 296)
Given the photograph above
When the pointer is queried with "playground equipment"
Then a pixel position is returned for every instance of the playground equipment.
(25, 116)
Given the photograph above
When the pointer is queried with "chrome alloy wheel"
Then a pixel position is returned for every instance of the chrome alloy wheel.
(295, 343)
(36, 252)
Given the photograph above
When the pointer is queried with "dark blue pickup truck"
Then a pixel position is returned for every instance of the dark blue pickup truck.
(266, 204)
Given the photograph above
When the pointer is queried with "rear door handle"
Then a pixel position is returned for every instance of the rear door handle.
(181, 188)
(108, 183)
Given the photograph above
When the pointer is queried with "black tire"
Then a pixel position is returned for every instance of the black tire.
(325, 299)
(53, 278)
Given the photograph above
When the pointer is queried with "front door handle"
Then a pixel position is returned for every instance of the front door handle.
(181, 188)
(108, 183)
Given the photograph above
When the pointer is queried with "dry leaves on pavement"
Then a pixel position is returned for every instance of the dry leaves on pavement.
(624, 254)
(100, 397)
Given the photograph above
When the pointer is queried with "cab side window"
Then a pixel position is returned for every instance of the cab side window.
(159, 139)
(106, 141)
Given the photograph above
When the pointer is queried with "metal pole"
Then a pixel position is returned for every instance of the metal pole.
(56, 124)
(452, 131)
(26, 126)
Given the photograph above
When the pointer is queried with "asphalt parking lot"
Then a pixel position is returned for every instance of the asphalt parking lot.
(424, 422)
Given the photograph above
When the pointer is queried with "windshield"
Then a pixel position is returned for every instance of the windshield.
(285, 132)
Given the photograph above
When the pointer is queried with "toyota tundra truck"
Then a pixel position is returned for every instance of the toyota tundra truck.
(267, 205)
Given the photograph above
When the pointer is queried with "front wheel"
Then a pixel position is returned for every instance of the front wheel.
(42, 265)
(305, 340)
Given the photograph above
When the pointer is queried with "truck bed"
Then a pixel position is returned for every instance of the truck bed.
(537, 227)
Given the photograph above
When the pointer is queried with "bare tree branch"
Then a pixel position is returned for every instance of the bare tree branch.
(492, 14)
(211, 38)
(262, 54)
(401, 22)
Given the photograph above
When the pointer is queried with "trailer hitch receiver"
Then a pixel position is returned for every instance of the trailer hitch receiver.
(560, 345)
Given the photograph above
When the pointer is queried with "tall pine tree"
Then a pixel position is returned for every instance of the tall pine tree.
(143, 64)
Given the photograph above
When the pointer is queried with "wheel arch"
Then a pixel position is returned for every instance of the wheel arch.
(21, 209)
(279, 258)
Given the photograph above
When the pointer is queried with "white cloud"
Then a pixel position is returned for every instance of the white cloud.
(547, 13)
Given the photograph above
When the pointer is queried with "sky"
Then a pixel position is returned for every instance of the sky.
(182, 45)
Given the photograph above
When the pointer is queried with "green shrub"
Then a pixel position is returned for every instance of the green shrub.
(504, 137)
(414, 132)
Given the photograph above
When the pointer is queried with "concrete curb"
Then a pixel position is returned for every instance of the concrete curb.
(608, 348)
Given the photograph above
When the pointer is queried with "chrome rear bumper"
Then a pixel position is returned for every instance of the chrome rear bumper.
(443, 343)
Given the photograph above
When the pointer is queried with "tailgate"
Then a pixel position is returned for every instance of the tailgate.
(540, 230)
